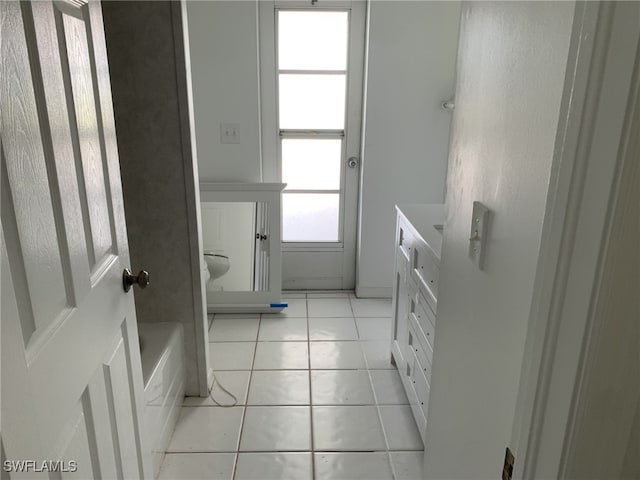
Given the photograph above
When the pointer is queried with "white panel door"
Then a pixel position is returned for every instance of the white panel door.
(71, 373)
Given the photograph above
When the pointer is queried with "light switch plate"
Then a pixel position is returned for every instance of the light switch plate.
(478, 234)
(229, 133)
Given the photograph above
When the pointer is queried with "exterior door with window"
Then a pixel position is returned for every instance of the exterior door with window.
(312, 64)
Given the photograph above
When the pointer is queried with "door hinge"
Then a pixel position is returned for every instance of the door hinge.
(507, 469)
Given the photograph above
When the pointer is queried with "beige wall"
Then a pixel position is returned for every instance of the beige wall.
(157, 162)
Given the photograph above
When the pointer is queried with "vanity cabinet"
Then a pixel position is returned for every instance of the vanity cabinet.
(418, 242)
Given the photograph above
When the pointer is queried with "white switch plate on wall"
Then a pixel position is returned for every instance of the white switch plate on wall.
(229, 133)
(478, 233)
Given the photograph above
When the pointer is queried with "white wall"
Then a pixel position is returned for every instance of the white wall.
(224, 67)
(410, 72)
(510, 78)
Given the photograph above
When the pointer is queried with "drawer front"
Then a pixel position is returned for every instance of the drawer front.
(424, 317)
(408, 381)
(421, 386)
(426, 272)
(418, 348)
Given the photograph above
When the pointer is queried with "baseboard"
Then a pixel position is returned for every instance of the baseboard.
(374, 292)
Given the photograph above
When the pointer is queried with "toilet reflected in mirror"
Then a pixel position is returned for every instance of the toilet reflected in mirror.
(230, 245)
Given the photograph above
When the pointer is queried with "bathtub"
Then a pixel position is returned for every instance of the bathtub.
(162, 352)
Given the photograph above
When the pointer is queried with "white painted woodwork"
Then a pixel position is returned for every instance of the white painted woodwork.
(70, 360)
(417, 258)
(343, 252)
(604, 437)
(268, 254)
(581, 349)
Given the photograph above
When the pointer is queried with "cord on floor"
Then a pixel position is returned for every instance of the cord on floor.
(235, 399)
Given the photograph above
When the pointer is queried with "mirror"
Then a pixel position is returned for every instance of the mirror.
(232, 240)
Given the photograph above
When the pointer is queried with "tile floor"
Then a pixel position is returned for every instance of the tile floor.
(317, 398)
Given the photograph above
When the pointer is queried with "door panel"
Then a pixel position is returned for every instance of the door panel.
(76, 376)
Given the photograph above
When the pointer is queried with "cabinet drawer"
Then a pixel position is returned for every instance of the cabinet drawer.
(417, 346)
(424, 317)
(426, 272)
(421, 386)
(407, 376)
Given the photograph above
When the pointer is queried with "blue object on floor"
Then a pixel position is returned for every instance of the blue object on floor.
(279, 305)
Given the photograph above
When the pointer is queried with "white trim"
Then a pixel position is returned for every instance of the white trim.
(269, 193)
(374, 292)
(266, 35)
(363, 126)
(600, 67)
(192, 193)
(270, 134)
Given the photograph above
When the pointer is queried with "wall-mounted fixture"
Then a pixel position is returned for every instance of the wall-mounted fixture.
(478, 233)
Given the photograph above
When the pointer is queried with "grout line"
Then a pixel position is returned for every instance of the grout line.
(244, 412)
(313, 457)
(312, 451)
(201, 452)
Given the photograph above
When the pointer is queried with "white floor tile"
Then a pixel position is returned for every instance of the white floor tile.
(297, 308)
(283, 329)
(276, 429)
(350, 428)
(388, 388)
(234, 330)
(408, 465)
(207, 429)
(281, 356)
(274, 466)
(332, 329)
(341, 387)
(353, 466)
(371, 307)
(196, 466)
(329, 307)
(237, 382)
(400, 428)
(279, 387)
(336, 355)
(374, 328)
(231, 355)
(377, 354)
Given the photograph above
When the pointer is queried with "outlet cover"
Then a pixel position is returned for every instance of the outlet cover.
(229, 133)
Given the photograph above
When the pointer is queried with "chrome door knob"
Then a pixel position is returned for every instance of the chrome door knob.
(128, 279)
